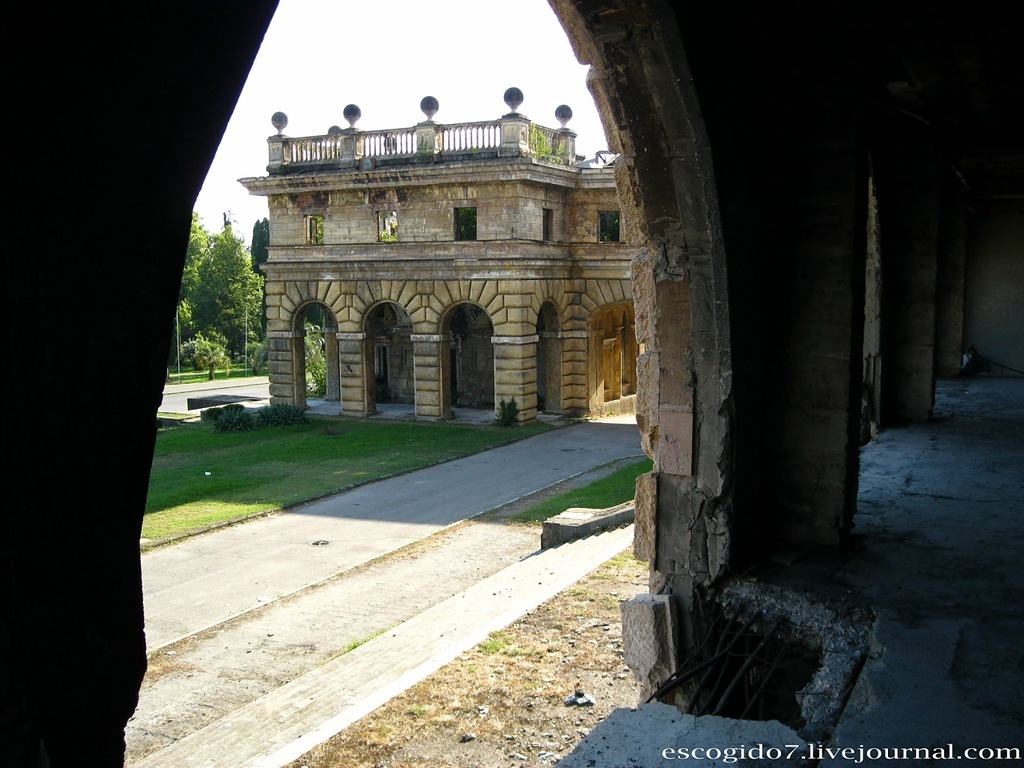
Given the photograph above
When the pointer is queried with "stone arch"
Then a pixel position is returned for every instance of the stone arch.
(388, 345)
(467, 375)
(666, 185)
(313, 324)
(549, 359)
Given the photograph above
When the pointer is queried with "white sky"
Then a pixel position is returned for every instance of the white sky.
(319, 55)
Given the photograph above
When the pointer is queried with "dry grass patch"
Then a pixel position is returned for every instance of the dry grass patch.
(503, 703)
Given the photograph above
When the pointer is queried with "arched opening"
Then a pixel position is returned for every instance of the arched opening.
(467, 359)
(612, 360)
(388, 330)
(314, 356)
(549, 360)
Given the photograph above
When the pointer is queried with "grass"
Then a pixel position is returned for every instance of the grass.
(613, 489)
(197, 377)
(201, 478)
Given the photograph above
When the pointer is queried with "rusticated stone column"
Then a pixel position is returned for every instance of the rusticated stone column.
(431, 402)
(515, 373)
(356, 375)
(574, 371)
(281, 366)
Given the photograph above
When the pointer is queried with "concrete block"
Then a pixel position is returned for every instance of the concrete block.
(579, 522)
(650, 639)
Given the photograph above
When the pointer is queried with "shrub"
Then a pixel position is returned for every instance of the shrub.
(213, 414)
(234, 420)
(280, 414)
(507, 410)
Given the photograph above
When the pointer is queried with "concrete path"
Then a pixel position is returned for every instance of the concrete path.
(289, 721)
(206, 580)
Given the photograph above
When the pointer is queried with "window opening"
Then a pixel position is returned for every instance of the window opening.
(549, 216)
(314, 230)
(387, 226)
(608, 227)
(465, 223)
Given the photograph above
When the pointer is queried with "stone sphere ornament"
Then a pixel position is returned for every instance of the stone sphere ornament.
(352, 113)
(280, 121)
(334, 130)
(563, 114)
(513, 97)
(429, 106)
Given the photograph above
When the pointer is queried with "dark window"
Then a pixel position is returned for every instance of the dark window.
(314, 230)
(549, 216)
(608, 227)
(465, 223)
(387, 226)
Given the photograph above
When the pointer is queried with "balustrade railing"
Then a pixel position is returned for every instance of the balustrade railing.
(511, 135)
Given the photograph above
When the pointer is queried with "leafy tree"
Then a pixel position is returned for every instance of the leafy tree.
(209, 355)
(222, 295)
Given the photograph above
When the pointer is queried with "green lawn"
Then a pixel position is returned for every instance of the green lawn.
(198, 377)
(201, 477)
(609, 491)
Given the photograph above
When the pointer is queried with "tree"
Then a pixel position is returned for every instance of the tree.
(260, 243)
(209, 355)
(221, 295)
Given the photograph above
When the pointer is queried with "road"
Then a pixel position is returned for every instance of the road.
(203, 581)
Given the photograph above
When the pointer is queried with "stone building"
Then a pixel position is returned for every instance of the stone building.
(760, 148)
(449, 265)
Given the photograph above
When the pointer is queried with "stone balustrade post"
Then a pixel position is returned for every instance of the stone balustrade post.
(280, 153)
(428, 141)
(515, 135)
(352, 148)
(566, 148)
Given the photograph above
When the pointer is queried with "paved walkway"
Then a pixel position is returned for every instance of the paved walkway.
(208, 579)
(286, 723)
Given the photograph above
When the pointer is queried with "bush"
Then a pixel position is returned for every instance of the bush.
(280, 414)
(507, 410)
(234, 420)
(213, 414)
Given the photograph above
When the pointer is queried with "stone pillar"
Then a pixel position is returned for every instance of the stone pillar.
(515, 373)
(429, 351)
(283, 367)
(950, 283)
(549, 366)
(574, 372)
(331, 360)
(909, 212)
(356, 380)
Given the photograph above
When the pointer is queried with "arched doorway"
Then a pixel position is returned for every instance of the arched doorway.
(388, 330)
(549, 360)
(611, 361)
(467, 370)
(315, 355)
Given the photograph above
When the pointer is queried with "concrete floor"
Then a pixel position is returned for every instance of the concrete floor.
(938, 558)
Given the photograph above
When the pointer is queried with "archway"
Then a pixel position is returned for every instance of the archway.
(314, 355)
(388, 330)
(549, 360)
(467, 359)
(611, 361)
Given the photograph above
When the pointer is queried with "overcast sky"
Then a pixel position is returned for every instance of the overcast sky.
(319, 55)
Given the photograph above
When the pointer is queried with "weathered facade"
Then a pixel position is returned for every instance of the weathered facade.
(450, 265)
